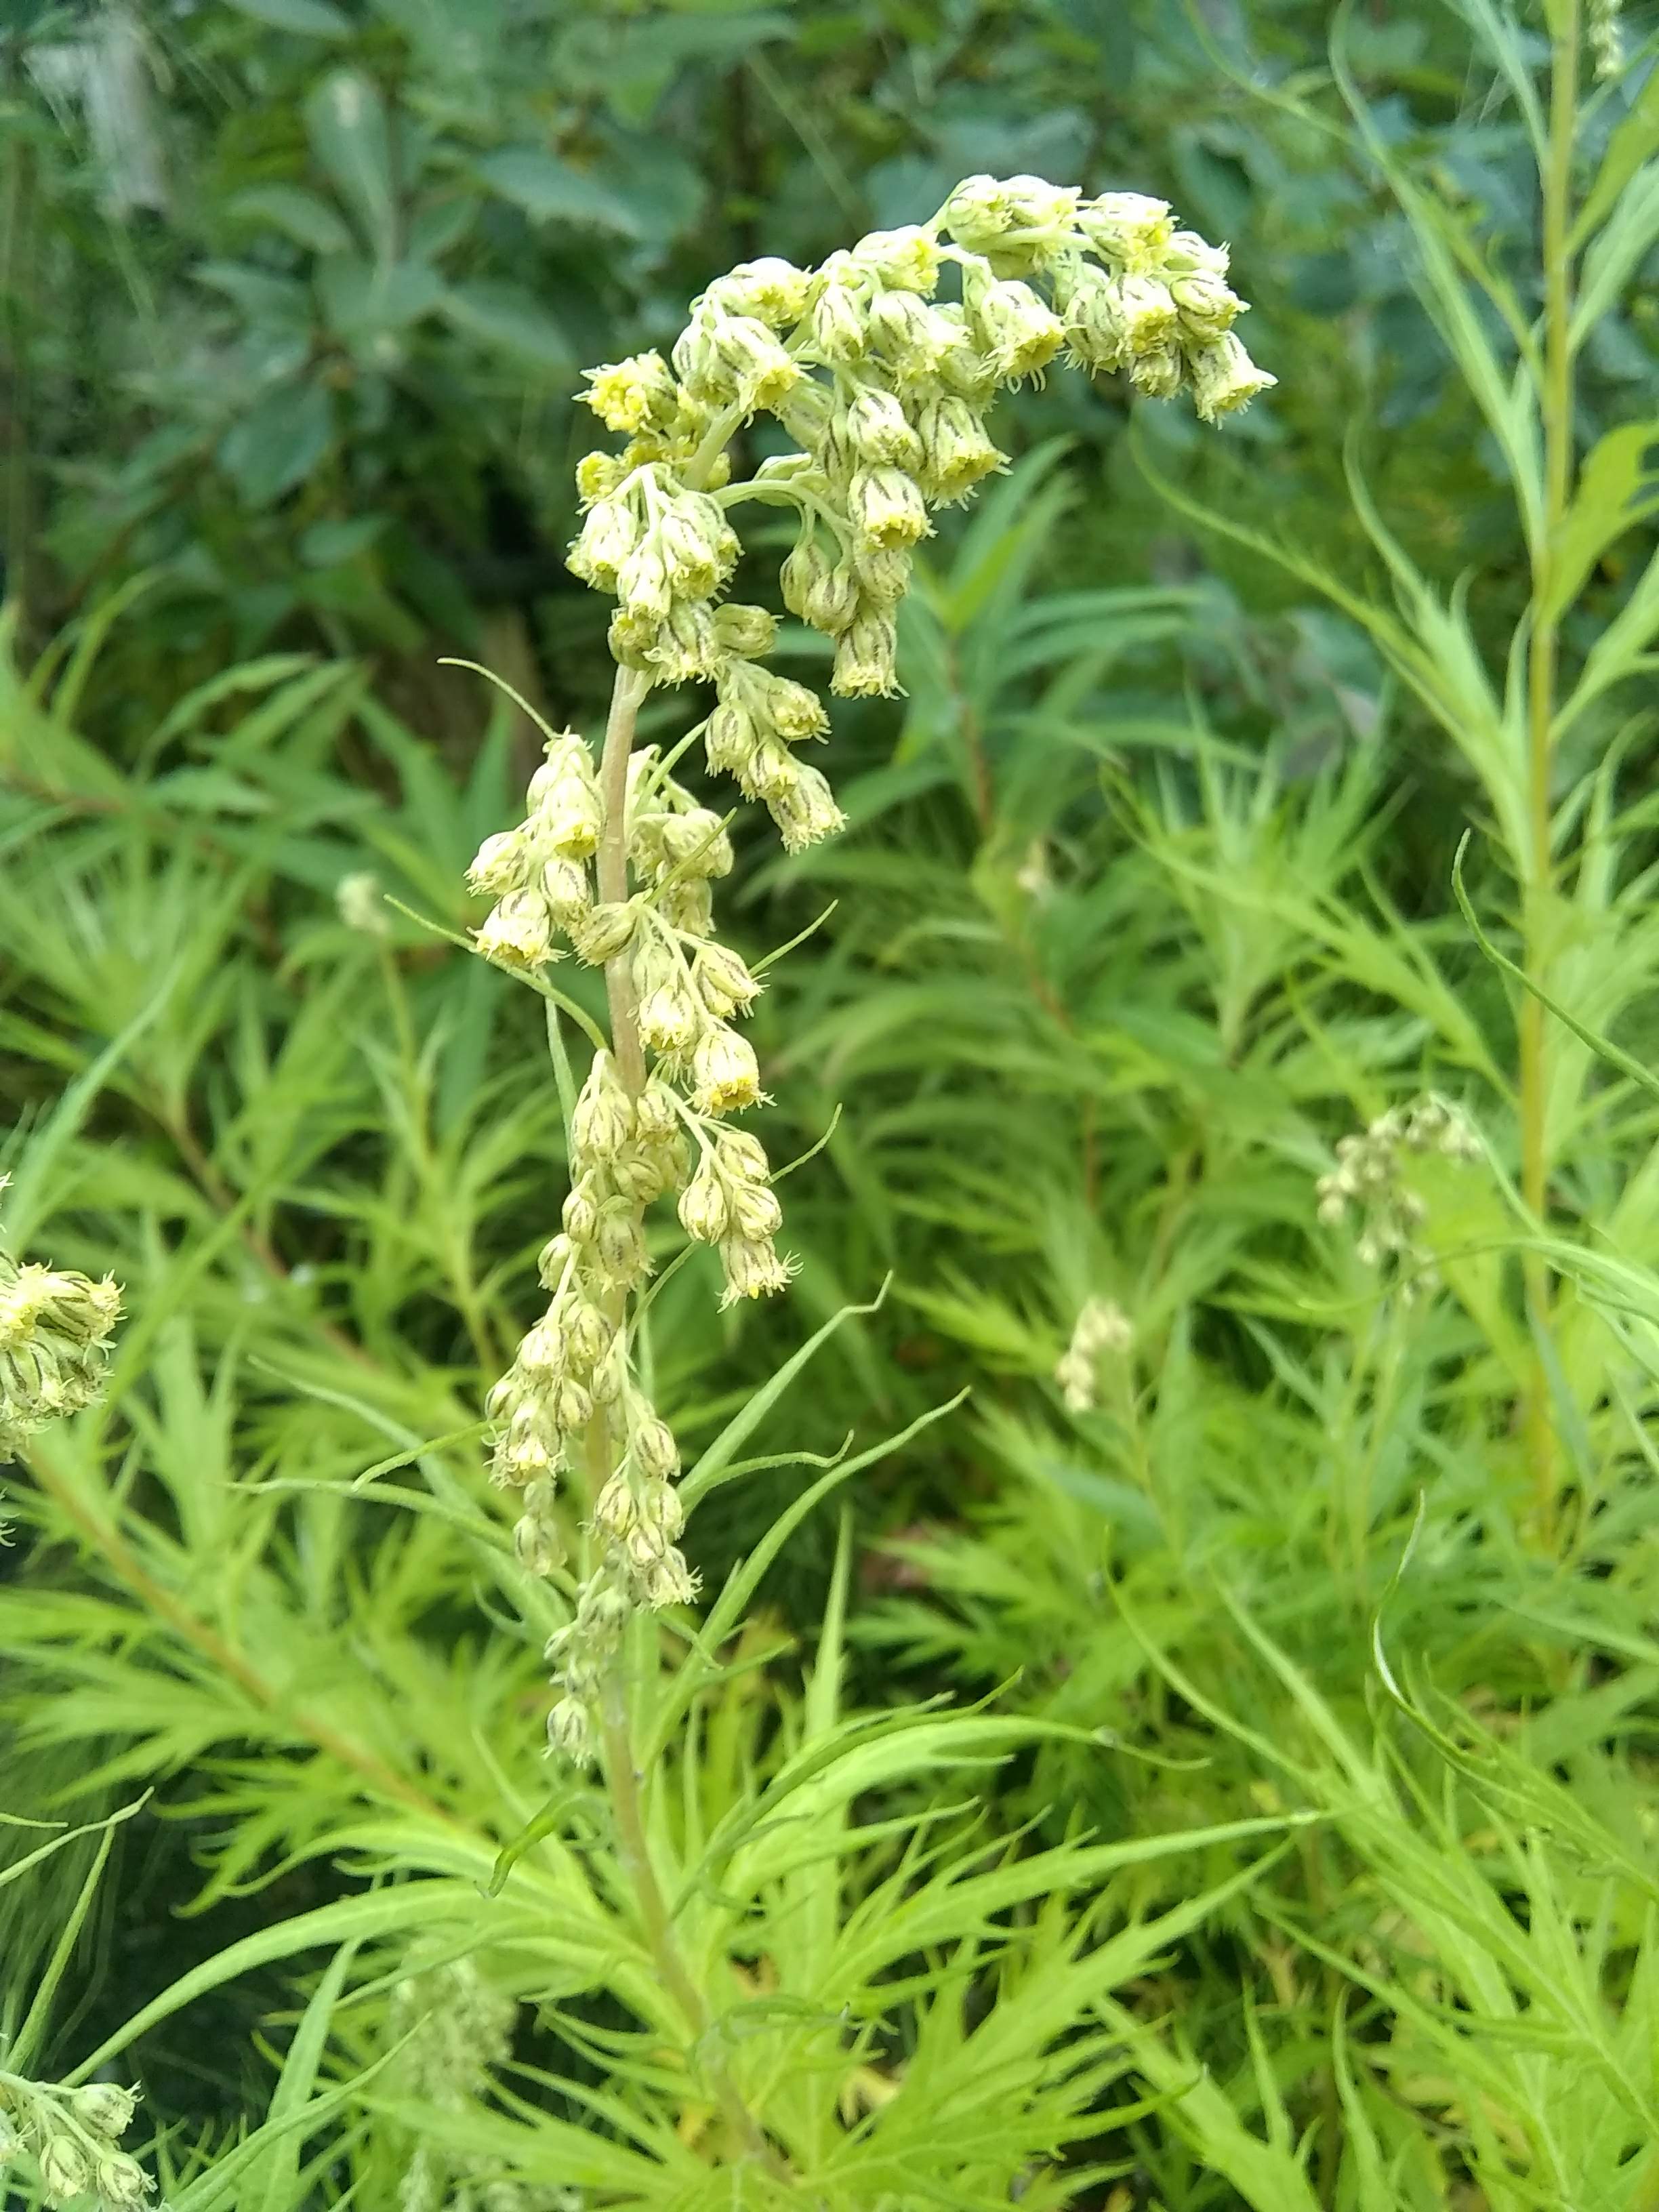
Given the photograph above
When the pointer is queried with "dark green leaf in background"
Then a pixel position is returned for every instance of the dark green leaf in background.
(278, 443)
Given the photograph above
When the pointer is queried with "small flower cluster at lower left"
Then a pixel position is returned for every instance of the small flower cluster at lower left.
(71, 2135)
(54, 1341)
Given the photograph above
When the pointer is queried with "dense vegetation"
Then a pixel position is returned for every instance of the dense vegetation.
(1169, 1718)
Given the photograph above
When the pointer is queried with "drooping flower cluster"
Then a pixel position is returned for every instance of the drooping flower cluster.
(881, 365)
(1370, 1179)
(72, 2134)
(54, 1341)
(1102, 1331)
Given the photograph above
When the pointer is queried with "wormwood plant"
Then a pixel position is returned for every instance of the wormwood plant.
(886, 388)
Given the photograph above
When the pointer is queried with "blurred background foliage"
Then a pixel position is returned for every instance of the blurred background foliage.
(296, 290)
(1143, 906)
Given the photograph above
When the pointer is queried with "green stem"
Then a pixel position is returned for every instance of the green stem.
(626, 695)
(622, 1773)
(1542, 665)
(633, 1853)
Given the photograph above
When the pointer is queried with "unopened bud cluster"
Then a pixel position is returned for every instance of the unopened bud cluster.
(72, 2135)
(1607, 39)
(1369, 1179)
(55, 1329)
(1102, 1331)
(881, 365)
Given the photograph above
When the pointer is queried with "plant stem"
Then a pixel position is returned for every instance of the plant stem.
(1543, 654)
(626, 695)
(622, 1774)
(633, 1853)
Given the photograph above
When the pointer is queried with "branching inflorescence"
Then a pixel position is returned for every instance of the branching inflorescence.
(881, 365)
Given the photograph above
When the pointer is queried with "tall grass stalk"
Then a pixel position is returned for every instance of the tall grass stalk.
(1539, 913)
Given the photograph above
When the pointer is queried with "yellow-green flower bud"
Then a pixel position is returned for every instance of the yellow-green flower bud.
(64, 2170)
(1159, 372)
(835, 324)
(580, 1214)
(568, 890)
(569, 819)
(887, 508)
(730, 738)
(1128, 227)
(704, 1209)
(724, 981)
(877, 431)
(671, 1019)
(698, 545)
(771, 770)
(686, 646)
(608, 535)
(599, 475)
(669, 1581)
(866, 658)
(570, 1732)
(569, 1406)
(1147, 312)
(986, 214)
(621, 1258)
(806, 811)
(120, 2182)
(725, 1073)
(630, 637)
(697, 841)
(1206, 304)
(821, 592)
(771, 290)
(628, 395)
(907, 259)
(741, 1156)
(615, 1511)
(1186, 254)
(756, 1213)
(104, 2107)
(687, 905)
(657, 1454)
(551, 1262)
(656, 1117)
(1018, 334)
(1096, 329)
(645, 1171)
(502, 864)
(750, 632)
(535, 1542)
(541, 1349)
(883, 574)
(523, 1455)
(588, 1335)
(644, 582)
(1225, 379)
(912, 337)
(753, 1269)
(602, 931)
(518, 933)
(765, 372)
(603, 1121)
(805, 412)
(956, 454)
